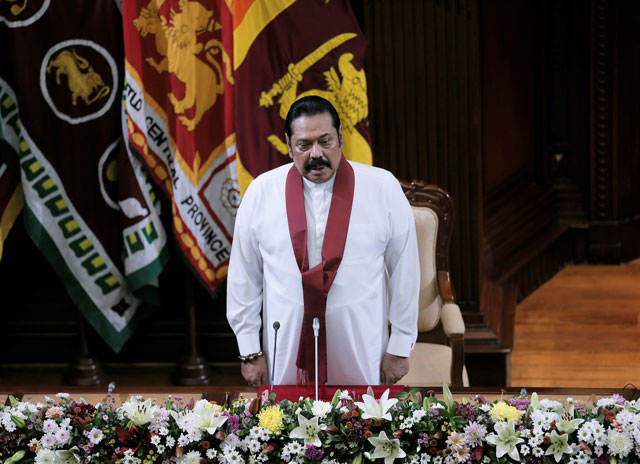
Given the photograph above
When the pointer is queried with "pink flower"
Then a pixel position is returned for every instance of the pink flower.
(455, 441)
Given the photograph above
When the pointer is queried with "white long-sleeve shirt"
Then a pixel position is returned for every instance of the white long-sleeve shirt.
(377, 282)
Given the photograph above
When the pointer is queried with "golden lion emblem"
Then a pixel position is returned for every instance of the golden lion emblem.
(177, 44)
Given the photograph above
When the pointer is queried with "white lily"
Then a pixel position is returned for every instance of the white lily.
(139, 413)
(206, 416)
(308, 430)
(385, 448)
(506, 440)
(373, 409)
(559, 445)
(566, 422)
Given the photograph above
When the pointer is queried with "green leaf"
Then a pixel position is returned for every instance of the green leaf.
(448, 397)
(16, 457)
(335, 399)
(14, 401)
(535, 403)
(18, 421)
(357, 459)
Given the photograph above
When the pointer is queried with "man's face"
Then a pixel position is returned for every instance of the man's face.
(315, 146)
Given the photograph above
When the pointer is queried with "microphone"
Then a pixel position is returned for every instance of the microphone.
(276, 326)
(316, 332)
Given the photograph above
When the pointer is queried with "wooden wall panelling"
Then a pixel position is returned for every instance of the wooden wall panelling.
(423, 95)
(614, 141)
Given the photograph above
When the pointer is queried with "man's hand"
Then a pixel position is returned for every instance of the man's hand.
(393, 368)
(255, 372)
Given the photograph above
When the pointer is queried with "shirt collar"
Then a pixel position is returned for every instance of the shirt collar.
(315, 187)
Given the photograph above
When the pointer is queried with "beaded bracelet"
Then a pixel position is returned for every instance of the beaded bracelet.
(251, 357)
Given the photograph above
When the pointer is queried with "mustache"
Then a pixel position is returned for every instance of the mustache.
(317, 163)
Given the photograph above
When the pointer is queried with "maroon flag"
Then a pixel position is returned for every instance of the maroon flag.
(285, 50)
(89, 205)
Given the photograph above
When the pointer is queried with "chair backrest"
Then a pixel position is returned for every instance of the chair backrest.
(434, 215)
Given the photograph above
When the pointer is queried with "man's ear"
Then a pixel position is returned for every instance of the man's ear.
(340, 139)
(286, 139)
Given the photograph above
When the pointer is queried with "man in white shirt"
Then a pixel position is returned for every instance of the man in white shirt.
(329, 239)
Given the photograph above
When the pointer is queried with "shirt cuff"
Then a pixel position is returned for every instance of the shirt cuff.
(400, 345)
(248, 343)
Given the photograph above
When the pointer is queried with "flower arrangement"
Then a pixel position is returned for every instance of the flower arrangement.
(406, 429)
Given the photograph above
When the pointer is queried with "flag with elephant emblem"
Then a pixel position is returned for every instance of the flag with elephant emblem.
(179, 92)
(89, 205)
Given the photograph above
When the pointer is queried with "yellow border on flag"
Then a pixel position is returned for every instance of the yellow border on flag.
(260, 13)
(14, 206)
(244, 176)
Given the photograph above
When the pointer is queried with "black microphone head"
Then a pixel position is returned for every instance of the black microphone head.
(276, 325)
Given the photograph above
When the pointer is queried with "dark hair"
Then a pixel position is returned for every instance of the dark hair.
(310, 106)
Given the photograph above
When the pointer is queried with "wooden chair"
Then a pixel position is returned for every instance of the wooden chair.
(438, 355)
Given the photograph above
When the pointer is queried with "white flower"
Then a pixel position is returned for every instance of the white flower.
(385, 448)
(253, 445)
(63, 395)
(155, 440)
(49, 426)
(160, 449)
(419, 414)
(505, 440)
(549, 404)
(231, 441)
(66, 457)
(45, 456)
(170, 441)
(485, 407)
(48, 441)
(183, 440)
(204, 417)
(377, 410)
(559, 445)
(139, 413)
(231, 456)
(344, 395)
(525, 450)
(321, 408)
(211, 453)
(308, 430)
(620, 443)
(192, 457)
(62, 436)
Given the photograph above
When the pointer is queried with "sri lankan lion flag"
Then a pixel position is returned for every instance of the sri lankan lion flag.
(284, 50)
(88, 205)
(179, 94)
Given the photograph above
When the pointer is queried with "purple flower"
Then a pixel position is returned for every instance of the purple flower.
(313, 453)
(604, 459)
(233, 421)
(618, 398)
(519, 403)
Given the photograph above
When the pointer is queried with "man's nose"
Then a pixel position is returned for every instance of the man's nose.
(316, 152)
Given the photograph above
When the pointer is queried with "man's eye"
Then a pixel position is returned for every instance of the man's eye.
(303, 146)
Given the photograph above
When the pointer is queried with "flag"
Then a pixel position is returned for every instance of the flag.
(88, 205)
(11, 200)
(284, 50)
(179, 102)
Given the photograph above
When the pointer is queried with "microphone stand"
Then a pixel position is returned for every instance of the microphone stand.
(276, 326)
(316, 332)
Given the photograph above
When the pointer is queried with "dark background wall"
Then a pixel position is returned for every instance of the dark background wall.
(525, 111)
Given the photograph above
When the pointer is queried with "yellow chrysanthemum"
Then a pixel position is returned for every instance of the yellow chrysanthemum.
(271, 418)
(503, 412)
